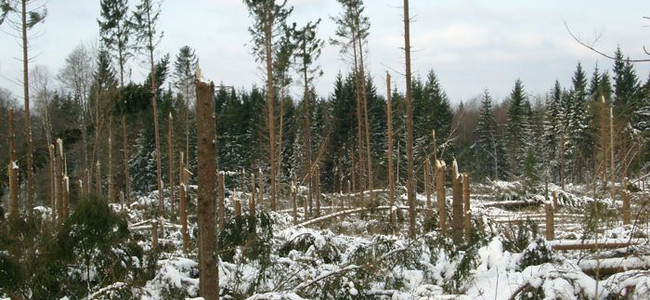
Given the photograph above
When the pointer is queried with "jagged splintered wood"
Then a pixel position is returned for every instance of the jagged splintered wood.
(468, 210)
(206, 146)
(457, 204)
(183, 202)
(440, 196)
(550, 221)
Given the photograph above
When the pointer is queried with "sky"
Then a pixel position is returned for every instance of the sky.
(472, 45)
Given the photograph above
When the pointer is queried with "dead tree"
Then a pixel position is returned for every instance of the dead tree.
(206, 146)
(293, 203)
(182, 191)
(391, 179)
(170, 160)
(468, 210)
(427, 186)
(410, 184)
(440, 195)
(457, 204)
(550, 221)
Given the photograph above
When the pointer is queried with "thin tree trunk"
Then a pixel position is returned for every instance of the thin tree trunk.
(208, 272)
(109, 163)
(427, 186)
(251, 201)
(440, 195)
(562, 161)
(261, 191)
(294, 204)
(182, 175)
(612, 170)
(391, 179)
(12, 169)
(364, 97)
(170, 159)
(360, 162)
(468, 210)
(125, 152)
(307, 123)
(222, 201)
(317, 191)
(410, 184)
(98, 178)
(270, 104)
(29, 166)
(53, 177)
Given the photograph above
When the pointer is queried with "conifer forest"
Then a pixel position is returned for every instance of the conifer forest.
(133, 170)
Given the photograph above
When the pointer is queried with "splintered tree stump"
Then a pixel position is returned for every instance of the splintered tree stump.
(468, 210)
(207, 190)
(550, 221)
(440, 195)
(457, 204)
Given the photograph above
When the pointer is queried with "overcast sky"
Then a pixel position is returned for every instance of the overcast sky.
(471, 45)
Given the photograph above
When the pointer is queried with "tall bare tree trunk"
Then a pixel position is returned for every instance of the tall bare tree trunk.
(360, 162)
(12, 169)
(270, 106)
(391, 179)
(52, 175)
(364, 97)
(612, 170)
(307, 124)
(410, 184)
(170, 159)
(29, 166)
(562, 161)
(208, 271)
(427, 186)
(125, 161)
(109, 163)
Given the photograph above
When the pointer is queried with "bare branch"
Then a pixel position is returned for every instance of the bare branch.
(601, 53)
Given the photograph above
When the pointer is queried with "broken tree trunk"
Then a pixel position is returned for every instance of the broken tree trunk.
(206, 146)
(427, 185)
(626, 203)
(440, 195)
(293, 203)
(550, 221)
(457, 204)
(468, 210)
(183, 202)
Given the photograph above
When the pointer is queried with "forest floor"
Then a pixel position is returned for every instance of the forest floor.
(348, 253)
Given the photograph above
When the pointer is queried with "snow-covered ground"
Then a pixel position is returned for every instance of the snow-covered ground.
(353, 257)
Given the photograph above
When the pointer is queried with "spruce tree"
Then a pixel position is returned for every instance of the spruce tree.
(491, 161)
(184, 75)
(517, 128)
(269, 20)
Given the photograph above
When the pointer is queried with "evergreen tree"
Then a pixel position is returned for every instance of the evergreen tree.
(552, 127)
(517, 128)
(580, 133)
(269, 22)
(490, 154)
(432, 112)
(115, 30)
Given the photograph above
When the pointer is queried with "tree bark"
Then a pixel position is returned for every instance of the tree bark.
(29, 166)
(170, 160)
(182, 175)
(125, 152)
(468, 210)
(550, 221)
(208, 271)
(270, 105)
(391, 179)
(440, 195)
(457, 204)
(222, 201)
(410, 184)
